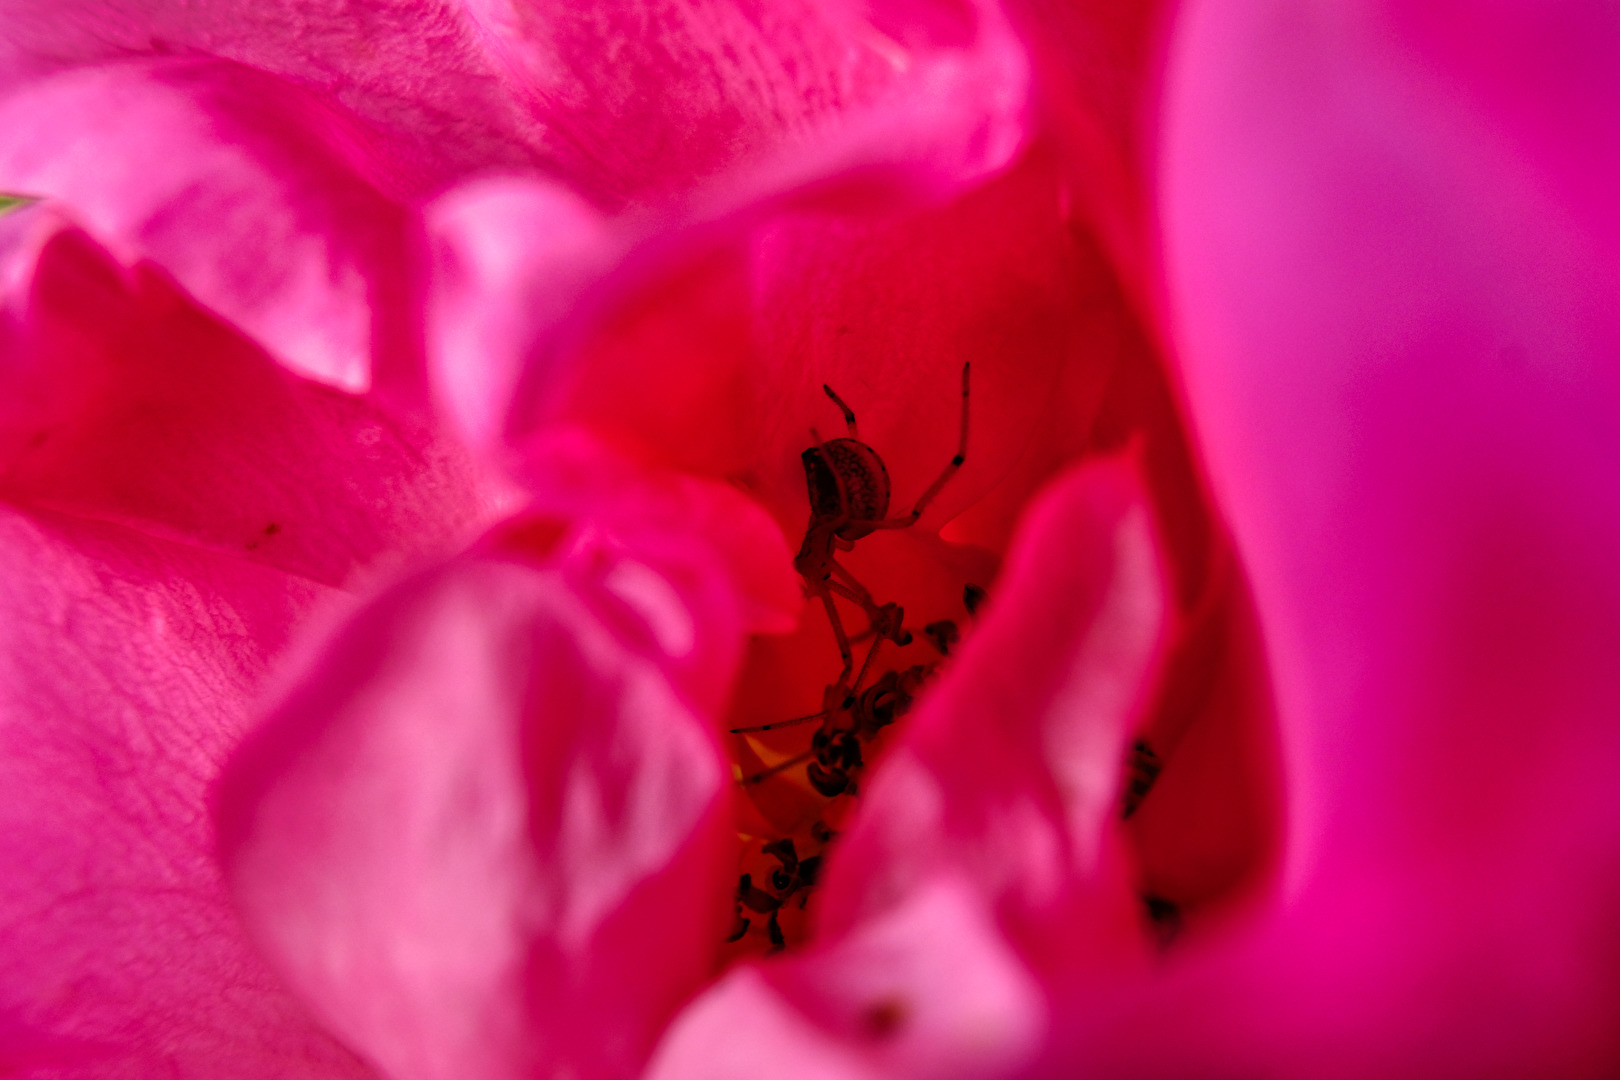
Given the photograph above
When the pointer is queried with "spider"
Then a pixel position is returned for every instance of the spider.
(848, 487)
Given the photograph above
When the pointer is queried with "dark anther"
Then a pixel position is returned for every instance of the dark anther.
(774, 929)
(742, 928)
(783, 851)
(808, 871)
(836, 750)
(821, 834)
(942, 635)
(972, 597)
(755, 898)
(784, 879)
(829, 784)
(890, 623)
(1165, 916)
(1144, 769)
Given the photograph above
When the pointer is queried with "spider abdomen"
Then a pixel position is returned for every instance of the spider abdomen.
(848, 483)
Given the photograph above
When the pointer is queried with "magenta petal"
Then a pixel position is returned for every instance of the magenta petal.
(511, 256)
(1098, 74)
(1009, 774)
(697, 91)
(126, 668)
(417, 72)
(487, 835)
(262, 201)
(122, 401)
(1393, 260)
(630, 100)
(929, 989)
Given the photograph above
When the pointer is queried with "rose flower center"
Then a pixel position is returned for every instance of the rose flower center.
(877, 637)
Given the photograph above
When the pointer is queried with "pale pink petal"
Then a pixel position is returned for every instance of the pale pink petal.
(930, 989)
(514, 254)
(417, 72)
(683, 519)
(1009, 772)
(459, 87)
(490, 832)
(126, 669)
(511, 257)
(1393, 256)
(265, 202)
(642, 102)
(124, 402)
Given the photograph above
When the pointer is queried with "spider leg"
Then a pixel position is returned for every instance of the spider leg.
(849, 414)
(907, 520)
(866, 665)
(860, 679)
(847, 593)
(773, 725)
(849, 588)
(838, 631)
(780, 766)
(884, 620)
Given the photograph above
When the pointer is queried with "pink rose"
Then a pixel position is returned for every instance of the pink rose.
(490, 823)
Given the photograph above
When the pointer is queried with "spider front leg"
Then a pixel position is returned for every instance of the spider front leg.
(910, 519)
(849, 414)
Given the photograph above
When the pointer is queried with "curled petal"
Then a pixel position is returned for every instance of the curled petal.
(1009, 773)
(124, 402)
(928, 989)
(263, 201)
(460, 86)
(415, 71)
(1394, 273)
(489, 832)
(511, 256)
(1098, 66)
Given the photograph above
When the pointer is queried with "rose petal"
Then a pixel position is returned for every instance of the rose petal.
(415, 71)
(1009, 772)
(1098, 68)
(511, 256)
(688, 524)
(490, 831)
(929, 989)
(458, 87)
(123, 402)
(748, 317)
(126, 666)
(1397, 310)
(742, 85)
(262, 201)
